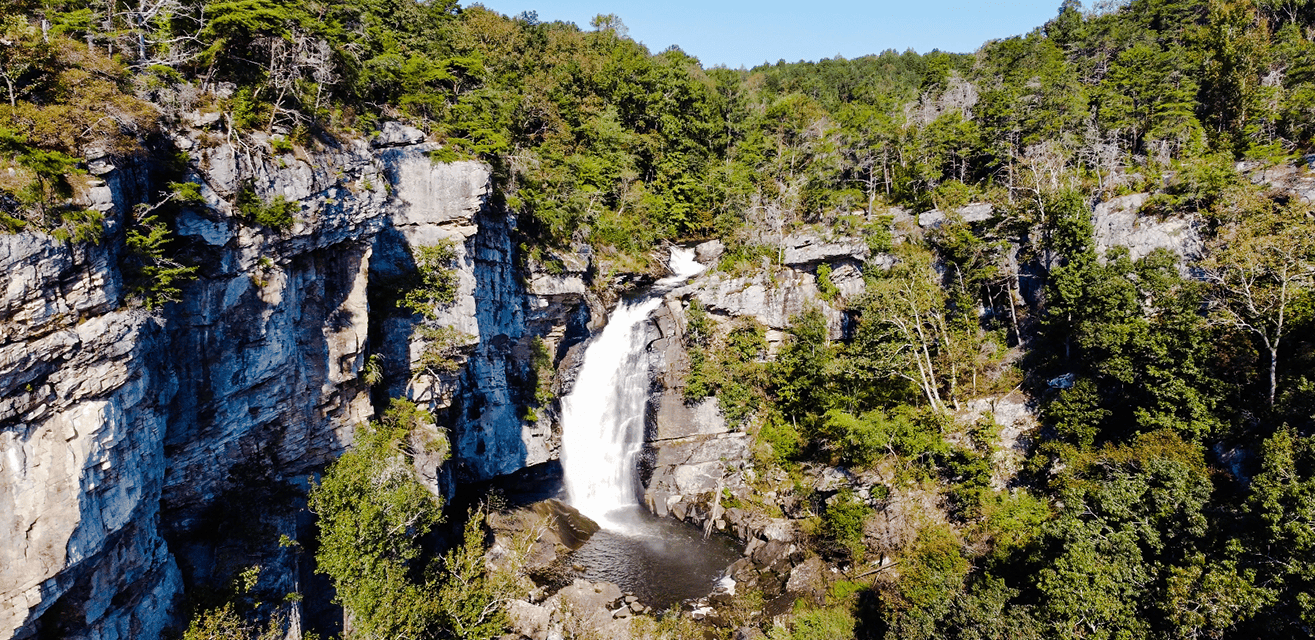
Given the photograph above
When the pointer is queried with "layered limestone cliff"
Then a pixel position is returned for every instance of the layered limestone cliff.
(120, 429)
(83, 395)
(1118, 223)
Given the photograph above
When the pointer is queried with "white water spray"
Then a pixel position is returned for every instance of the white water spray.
(603, 417)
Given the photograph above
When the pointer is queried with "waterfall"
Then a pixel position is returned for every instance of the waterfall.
(603, 417)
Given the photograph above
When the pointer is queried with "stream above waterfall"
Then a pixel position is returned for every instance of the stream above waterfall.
(661, 561)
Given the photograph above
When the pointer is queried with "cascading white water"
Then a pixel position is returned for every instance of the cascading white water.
(603, 417)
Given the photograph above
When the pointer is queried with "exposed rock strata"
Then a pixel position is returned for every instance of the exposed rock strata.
(118, 430)
(81, 432)
(694, 459)
(973, 213)
(1118, 223)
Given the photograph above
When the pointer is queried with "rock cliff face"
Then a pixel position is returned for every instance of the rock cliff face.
(1118, 223)
(82, 426)
(119, 429)
(693, 456)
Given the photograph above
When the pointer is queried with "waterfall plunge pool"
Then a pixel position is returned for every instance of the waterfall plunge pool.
(662, 561)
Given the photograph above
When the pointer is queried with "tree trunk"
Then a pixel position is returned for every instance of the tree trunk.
(1013, 309)
(885, 171)
(1273, 374)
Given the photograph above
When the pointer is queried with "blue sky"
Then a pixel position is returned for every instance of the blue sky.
(739, 32)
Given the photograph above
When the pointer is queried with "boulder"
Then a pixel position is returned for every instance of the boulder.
(773, 556)
(807, 248)
(586, 607)
(773, 299)
(749, 633)
(560, 528)
(709, 251)
(529, 620)
(396, 134)
(808, 580)
(972, 213)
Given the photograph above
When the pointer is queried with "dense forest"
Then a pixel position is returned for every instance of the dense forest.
(1170, 492)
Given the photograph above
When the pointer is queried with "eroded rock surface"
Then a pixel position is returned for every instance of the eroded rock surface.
(1119, 223)
(697, 465)
(119, 429)
(81, 456)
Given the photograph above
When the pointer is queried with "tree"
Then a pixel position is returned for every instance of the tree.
(156, 277)
(436, 285)
(799, 373)
(984, 611)
(1206, 599)
(471, 600)
(1134, 328)
(868, 134)
(1261, 267)
(224, 623)
(372, 513)
(932, 574)
(1030, 94)
(907, 307)
(1283, 498)
(1146, 95)
(610, 22)
(1234, 94)
(21, 52)
(1129, 515)
(164, 31)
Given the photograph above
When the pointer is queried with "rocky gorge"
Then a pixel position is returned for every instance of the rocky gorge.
(126, 430)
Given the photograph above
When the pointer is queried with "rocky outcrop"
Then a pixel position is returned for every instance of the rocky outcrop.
(1016, 420)
(1118, 223)
(696, 466)
(269, 342)
(547, 530)
(775, 298)
(580, 609)
(775, 294)
(804, 249)
(668, 416)
(691, 452)
(1295, 180)
(81, 458)
(972, 214)
(120, 430)
(483, 400)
